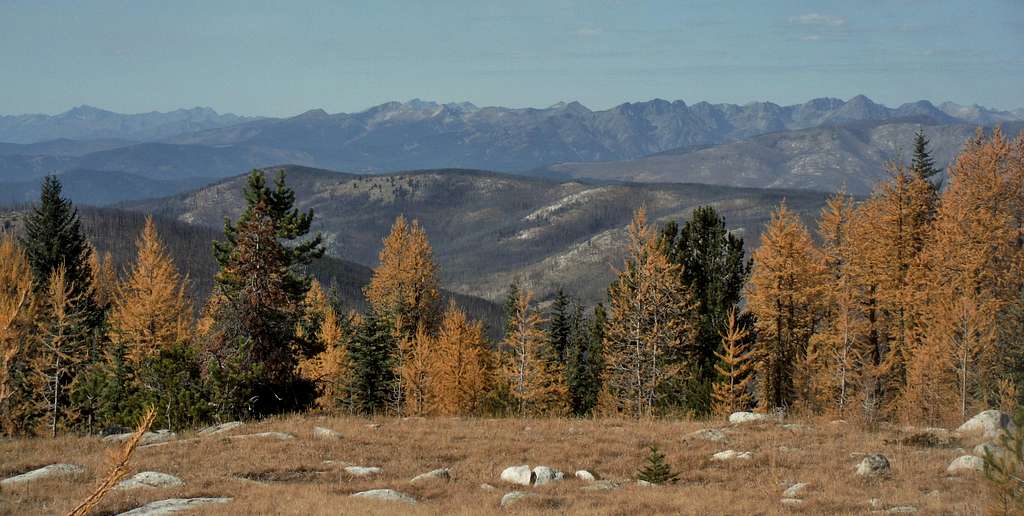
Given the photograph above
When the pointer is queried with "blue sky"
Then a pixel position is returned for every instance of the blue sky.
(282, 58)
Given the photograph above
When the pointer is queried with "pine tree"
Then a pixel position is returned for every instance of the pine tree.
(731, 392)
(404, 288)
(372, 355)
(585, 362)
(922, 165)
(713, 268)
(258, 294)
(511, 305)
(52, 238)
(783, 294)
(458, 376)
(536, 385)
(657, 470)
(17, 314)
(150, 311)
(62, 349)
(560, 327)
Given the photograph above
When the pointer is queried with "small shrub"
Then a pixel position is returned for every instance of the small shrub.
(657, 470)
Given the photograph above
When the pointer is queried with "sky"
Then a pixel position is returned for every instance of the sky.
(256, 57)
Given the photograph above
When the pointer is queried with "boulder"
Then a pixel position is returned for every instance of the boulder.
(644, 483)
(150, 479)
(600, 485)
(488, 487)
(708, 434)
(221, 428)
(278, 436)
(966, 464)
(545, 475)
(389, 495)
(586, 476)
(791, 502)
(731, 455)
(441, 474)
(320, 432)
(739, 418)
(53, 470)
(796, 490)
(521, 475)
(989, 423)
(362, 471)
(173, 505)
(876, 465)
(514, 497)
(160, 436)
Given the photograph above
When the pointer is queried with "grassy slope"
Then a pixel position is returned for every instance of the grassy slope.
(476, 450)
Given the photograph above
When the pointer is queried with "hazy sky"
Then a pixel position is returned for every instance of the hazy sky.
(282, 58)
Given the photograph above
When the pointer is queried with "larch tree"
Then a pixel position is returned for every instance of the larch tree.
(17, 315)
(61, 351)
(784, 295)
(104, 278)
(151, 311)
(648, 336)
(458, 376)
(974, 269)
(257, 300)
(329, 368)
(404, 289)
(413, 371)
(731, 392)
(536, 386)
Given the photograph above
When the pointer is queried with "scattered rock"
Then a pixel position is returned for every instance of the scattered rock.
(173, 505)
(160, 436)
(796, 490)
(545, 475)
(362, 471)
(488, 487)
(521, 475)
(709, 434)
(342, 463)
(586, 476)
(739, 418)
(320, 432)
(644, 483)
(875, 465)
(221, 428)
(152, 479)
(52, 470)
(512, 498)
(792, 427)
(373, 426)
(601, 485)
(389, 495)
(791, 502)
(732, 454)
(280, 436)
(442, 474)
(966, 464)
(902, 509)
(930, 437)
(990, 423)
(787, 449)
(165, 443)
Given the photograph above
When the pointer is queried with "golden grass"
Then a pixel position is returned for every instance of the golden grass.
(290, 477)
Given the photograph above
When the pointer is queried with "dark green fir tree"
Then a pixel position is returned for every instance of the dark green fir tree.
(657, 469)
(372, 355)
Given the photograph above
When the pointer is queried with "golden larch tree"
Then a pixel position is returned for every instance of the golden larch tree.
(328, 369)
(414, 370)
(104, 277)
(459, 369)
(731, 392)
(648, 333)
(404, 288)
(784, 293)
(61, 351)
(17, 314)
(151, 311)
(536, 386)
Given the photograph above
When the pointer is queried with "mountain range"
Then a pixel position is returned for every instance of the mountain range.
(490, 229)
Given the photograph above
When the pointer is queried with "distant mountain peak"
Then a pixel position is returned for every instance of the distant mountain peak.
(313, 114)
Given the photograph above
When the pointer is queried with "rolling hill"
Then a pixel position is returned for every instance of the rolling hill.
(490, 229)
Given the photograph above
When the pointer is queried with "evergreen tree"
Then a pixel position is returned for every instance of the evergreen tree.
(585, 362)
(713, 268)
(259, 291)
(657, 469)
(560, 328)
(922, 165)
(511, 305)
(53, 237)
(372, 355)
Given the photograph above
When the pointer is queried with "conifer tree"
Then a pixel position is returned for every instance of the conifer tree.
(648, 335)
(536, 385)
(784, 295)
(511, 305)
(329, 369)
(922, 164)
(62, 349)
(458, 376)
(713, 268)
(731, 392)
(404, 289)
(657, 470)
(17, 314)
(104, 278)
(258, 293)
(585, 362)
(150, 311)
(414, 363)
(560, 327)
(372, 355)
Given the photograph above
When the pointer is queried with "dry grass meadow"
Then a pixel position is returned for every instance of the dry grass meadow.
(267, 476)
